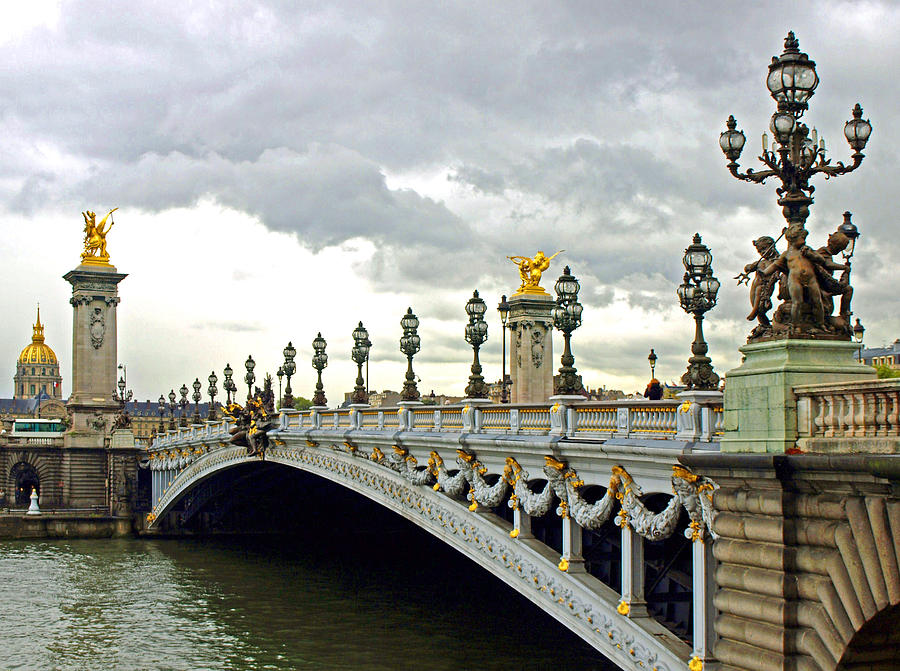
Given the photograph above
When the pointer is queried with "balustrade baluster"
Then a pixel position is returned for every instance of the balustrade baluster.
(849, 414)
(893, 428)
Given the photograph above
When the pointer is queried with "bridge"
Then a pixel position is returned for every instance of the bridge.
(582, 508)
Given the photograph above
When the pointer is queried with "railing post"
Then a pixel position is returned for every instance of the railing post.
(438, 419)
(633, 603)
(468, 419)
(522, 523)
(623, 421)
(557, 419)
(571, 551)
(514, 420)
(691, 422)
(703, 608)
(381, 420)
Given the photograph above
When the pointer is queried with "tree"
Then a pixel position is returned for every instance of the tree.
(301, 403)
(885, 372)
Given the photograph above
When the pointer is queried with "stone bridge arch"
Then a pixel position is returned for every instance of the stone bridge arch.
(578, 600)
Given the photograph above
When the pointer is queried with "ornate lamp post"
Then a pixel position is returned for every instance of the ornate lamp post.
(697, 294)
(652, 359)
(796, 153)
(250, 378)
(319, 362)
(280, 374)
(171, 409)
(858, 332)
(229, 384)
(289, 369)
(122, 397)
(196, 396)
(360, 355)
(161, 407)
(212, 379)
(410, 344)
(503, 309)
(183, 403)
(567, 318)
(476, 335)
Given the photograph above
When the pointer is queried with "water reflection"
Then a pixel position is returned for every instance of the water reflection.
(360, 601)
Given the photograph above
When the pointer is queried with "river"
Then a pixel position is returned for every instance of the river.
(398, 600)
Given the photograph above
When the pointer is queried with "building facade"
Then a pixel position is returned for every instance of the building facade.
(37, 368)
(882, 356)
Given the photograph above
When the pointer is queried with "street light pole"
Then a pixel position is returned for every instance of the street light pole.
(697, 294)
(319, 362)
(503, 309)
(567, 318)
(476, 335)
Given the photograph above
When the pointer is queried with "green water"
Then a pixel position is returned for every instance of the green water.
(393, 601)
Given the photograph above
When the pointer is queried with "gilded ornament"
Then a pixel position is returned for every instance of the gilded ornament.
(530, 271)
(95, 253)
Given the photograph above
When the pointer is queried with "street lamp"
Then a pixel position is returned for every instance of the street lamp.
(410, 343)
(280, 374)
(652, 359)
(122, 397)
(250, 378)
(196, 396)
(476, 335)
(161, 407)
(212, 379)
(183, 403)
(360, 355)
(319, 362)
(858, 331)
(171, 409)
(229, 384)
(289, 369)
(697, 294)
(503, 309)
(567, 318)
(799, 154)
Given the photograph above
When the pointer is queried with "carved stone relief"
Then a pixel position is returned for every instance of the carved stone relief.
(537, 347)
(98, 328)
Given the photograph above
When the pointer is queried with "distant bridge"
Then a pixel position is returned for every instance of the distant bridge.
(583, 509)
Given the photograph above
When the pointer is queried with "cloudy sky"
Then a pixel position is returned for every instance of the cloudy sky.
(283, 168)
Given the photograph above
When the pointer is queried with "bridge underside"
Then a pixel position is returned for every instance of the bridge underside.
(581, 602)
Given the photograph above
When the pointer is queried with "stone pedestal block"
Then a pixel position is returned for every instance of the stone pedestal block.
(760, 405)
(531, 348)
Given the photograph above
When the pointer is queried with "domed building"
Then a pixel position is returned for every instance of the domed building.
(37, 369)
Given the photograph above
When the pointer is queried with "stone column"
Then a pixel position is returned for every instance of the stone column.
(531, 347)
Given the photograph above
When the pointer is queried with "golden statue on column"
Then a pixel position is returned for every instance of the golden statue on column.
(530, 271)
(95, 253)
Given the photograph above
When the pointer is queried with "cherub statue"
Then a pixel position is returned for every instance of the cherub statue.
(763, 285)
(530, 270)
(252, 423)
(95, 235)
(837, 243)
(801, 264)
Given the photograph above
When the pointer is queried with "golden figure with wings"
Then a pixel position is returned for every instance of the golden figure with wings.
(95, 238)
(531, 269)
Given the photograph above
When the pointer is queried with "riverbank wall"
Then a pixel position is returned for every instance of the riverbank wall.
(63, 525)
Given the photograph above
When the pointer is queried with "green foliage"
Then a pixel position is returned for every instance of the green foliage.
(885, 372)
(301, 403)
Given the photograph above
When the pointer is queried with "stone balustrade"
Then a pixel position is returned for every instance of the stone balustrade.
(849, 417)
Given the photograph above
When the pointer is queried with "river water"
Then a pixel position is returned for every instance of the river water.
(406, 602)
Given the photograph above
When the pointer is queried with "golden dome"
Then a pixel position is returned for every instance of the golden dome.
(37, 352)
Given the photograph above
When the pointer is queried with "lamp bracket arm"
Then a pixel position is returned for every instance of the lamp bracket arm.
(751, 175)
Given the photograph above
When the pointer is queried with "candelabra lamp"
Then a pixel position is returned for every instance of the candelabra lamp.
(697, 295)
(172, 409)
(360, 355)
(249, 378)
(229, 384)
(319, 362)
(476, 335)
(503, 309)
(289, 368)
(858, 331)
(566, 318)
(161, 408)
(196, 396)
(212, 379)
(410, 344)
(184, 404)
(652, 359)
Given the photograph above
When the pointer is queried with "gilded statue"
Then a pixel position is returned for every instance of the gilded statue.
(95, 238)
(531, 269)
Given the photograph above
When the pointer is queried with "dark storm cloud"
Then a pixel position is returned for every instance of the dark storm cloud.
(595, 122)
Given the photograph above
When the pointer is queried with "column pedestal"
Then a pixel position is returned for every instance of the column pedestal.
(531, 347)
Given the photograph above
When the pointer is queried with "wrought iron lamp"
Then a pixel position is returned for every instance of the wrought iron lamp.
(212, 379)
(858, 332)
(289, 368)
(652, 359)
(196, 396)
(697, 294)
(172, 409)
(796, 154)
(476, 335)
(250, 378)
(122, 397)
(567, 317)
(319, 362)
(280, 374)
(360, 355)
(503, 309)
(229, 384)
(410, 344)
(161, 407)
(183, 403)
